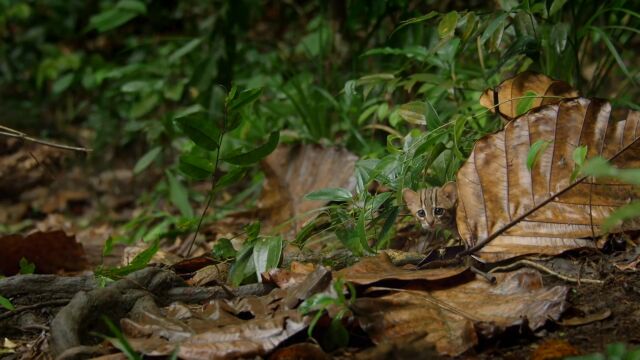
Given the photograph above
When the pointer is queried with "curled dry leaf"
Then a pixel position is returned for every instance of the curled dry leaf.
(525, 91)
(450, 317)
(377, 268)
(541, 210)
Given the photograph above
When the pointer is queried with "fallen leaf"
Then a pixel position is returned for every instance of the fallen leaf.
(554, 349)
(377, 268)
(495, 188)
(294, 171)
(216, 274)
(224, 328)
(51, 252)
(526, 90)
(450, 317)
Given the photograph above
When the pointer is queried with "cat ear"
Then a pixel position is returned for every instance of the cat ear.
(450, 191)
(411, 198)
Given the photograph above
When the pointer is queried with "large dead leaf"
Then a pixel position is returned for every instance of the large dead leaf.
(518, 93)
(496, 189)
(449, 318)
(294, 171)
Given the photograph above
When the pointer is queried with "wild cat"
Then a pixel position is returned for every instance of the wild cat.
(434, 208)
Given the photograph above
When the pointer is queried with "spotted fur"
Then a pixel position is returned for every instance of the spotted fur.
(434, 208)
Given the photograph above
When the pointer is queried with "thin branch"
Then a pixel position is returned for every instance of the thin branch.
(543, 268)
(20, 135)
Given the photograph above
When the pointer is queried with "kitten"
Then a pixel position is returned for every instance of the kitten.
(434, 208)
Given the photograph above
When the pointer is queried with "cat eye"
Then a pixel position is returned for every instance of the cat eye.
(421, 213)
(438, 211)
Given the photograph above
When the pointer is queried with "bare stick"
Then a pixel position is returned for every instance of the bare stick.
(543, 268)
(20, 135)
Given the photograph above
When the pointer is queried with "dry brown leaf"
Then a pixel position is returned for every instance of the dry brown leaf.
(495, 187)
(300, 351)
(51, 252)
(377, 268)
(244, 327)
(216, 274)
(449, 317)
(514, 91)
(294, 171)
(284, 278)
(554, 349)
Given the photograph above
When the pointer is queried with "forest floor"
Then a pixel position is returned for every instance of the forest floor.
(90, 209)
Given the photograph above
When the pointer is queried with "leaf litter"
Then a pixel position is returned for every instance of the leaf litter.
(442, 310)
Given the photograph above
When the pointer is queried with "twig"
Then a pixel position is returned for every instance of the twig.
(20, 135)
(541, 267)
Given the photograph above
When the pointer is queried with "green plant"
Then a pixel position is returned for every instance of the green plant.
(6, 303)
(120, 341)
(257, 255)
(616, 351)
(26, 267)
(336, 336)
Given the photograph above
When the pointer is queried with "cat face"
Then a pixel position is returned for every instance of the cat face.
(434, 208)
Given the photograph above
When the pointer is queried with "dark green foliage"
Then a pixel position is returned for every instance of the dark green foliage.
(205, 90)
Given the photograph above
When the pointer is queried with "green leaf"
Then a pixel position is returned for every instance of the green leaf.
(416, 20)
(526, 103)
(144, 106)
(231, 177)
(195, 166)
(317, 302)
(613, 51)
(108, 246)
(447, 25)
(330, 194)
(223, 249)
(136, 86)
(185, 49)
(414, 112)
(626, 212)
(139, 262)
(559, 35)
(201, 129)
(257, 154)
(146, 160)
(493, 26)
(62, 83)
(179, 195)
(556, 5)
(243, 268)
(337, 335)
(124, 11)
(579, 157)
(600, 167)
(26, 266)
(537, 148)
(5, 303)
(120, 341)
(244, 98)
(135, 6)
(266, 254)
